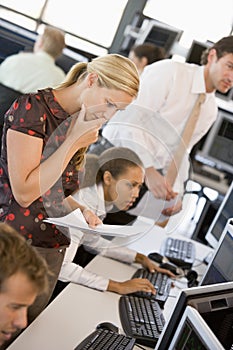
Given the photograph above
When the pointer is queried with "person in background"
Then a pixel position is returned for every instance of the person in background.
(111, 182)
(23, 276)
(31, 71)
(153, 124)
(44, 142)
(145, 54)
(27, 72)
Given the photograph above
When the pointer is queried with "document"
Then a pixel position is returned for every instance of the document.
(151, 207)
(76, 220)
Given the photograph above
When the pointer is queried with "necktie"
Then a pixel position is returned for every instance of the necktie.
(184, 141)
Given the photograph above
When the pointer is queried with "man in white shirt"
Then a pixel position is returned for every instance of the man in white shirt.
(153, 124)
(30, 71)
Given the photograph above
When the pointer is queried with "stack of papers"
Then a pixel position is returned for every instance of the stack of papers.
(76, 220)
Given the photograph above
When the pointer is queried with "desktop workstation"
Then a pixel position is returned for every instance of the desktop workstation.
(77, 310)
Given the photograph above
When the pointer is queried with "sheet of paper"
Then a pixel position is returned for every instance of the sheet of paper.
(151, 207)
(76, 220)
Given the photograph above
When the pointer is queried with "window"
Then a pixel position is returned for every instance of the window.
(200, 20)
(93, 21)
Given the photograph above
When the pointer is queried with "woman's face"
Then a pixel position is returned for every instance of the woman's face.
(123, 191)
(101, 102)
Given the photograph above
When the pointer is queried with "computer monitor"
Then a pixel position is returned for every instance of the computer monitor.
(213, 302)
(225, 212)
(220, 267)
(193, 333)
(217, 151)
(159, 33)
(14, 39)
(195, 51)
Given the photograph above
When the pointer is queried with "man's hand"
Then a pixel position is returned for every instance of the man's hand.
(158, 185)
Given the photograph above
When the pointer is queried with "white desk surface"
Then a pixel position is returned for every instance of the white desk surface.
(77, 310)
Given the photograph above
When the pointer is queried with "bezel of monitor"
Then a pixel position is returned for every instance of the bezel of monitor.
(204, 156)
(192, 324)
(227, 232)
(150, 26)
(204, 298)
(210, 235)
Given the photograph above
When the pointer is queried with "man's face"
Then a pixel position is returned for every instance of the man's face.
(221, 72)
(16, 294)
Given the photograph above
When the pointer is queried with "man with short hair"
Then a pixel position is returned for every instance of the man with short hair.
(23, 276)
(31, 71)
(154, 123)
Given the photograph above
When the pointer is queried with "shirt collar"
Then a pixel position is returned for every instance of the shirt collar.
(198, 85)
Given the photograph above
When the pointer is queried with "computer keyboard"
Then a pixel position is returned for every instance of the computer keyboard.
(178, 251)
(161, 282)
(141, 318)
(103, 339)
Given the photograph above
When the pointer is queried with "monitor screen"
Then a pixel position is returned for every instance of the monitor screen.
(159, 34)
(224, 213)
(217, 151)
(213, 302)
(193, 333)
(220, 268)
(195, 52)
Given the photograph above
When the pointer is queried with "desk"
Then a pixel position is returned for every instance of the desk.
(77, 310)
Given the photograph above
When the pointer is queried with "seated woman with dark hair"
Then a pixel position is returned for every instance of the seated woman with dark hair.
(111, 180)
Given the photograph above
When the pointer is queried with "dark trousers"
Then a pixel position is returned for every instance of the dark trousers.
(54, 259)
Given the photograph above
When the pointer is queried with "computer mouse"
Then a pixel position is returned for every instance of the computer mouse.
(156, 257)
(171, 267)
(108, 326)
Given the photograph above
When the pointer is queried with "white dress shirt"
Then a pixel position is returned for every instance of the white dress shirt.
(28, 72)
(93, 198)
(153, 123)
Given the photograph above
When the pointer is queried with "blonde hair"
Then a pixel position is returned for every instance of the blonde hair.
(53, 41)
(114, 72)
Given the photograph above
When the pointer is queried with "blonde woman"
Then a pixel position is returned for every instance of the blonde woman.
(45, 137)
